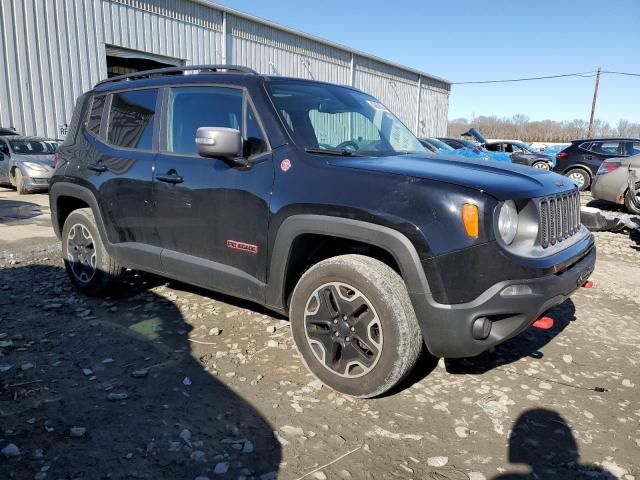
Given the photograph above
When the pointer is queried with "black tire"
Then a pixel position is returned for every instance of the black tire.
(586, 178)
(628, 200)
(22, 190)
(91, 269)
(386, 313)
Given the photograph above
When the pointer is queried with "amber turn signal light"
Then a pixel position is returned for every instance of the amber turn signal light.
(470, 219)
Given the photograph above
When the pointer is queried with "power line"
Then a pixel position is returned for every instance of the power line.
(564, 75)
(581, 74)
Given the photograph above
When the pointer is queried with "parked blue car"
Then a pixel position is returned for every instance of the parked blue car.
(469, 149)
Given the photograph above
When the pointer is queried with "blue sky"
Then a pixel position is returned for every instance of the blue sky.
(493, 39)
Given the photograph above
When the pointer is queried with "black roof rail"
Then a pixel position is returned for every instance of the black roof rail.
(178, 71)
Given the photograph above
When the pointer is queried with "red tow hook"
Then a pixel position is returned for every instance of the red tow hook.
(543, 323)
(587, 284)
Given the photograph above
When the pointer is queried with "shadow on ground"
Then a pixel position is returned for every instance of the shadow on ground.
(122, 369)
(14, 210)
(527, 344)
(542, 443)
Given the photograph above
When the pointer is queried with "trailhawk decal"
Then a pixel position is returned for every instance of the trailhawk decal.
(243, 247)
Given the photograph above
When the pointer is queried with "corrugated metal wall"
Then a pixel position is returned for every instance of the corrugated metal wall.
(53, 50)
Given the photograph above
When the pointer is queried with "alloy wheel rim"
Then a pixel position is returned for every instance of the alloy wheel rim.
(578, 178)
(542, 166)
(343, 330)
(81, 253)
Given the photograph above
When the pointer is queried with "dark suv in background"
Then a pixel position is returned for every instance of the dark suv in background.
(255, 186)
(581, 160)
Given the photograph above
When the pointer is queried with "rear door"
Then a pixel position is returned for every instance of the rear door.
(122, 128)
(213, 217)
(597, 151)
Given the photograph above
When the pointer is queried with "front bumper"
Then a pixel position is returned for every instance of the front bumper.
(452, 330)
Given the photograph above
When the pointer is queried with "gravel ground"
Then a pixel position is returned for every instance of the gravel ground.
(164, 380)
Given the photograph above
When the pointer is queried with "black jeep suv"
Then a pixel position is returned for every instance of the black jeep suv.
(313, 200)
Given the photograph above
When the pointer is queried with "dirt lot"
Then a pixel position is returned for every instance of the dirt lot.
(167, 381)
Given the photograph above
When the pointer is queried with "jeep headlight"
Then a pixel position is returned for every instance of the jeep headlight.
(36, 167)
(508, 221)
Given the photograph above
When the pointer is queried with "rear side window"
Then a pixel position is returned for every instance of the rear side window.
(131, 119)
(95, 114)
(607, 148)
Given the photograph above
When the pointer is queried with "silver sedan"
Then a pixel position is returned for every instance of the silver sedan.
(612, 182)
(27, 163)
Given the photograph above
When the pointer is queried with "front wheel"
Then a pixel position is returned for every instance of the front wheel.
(354, 325)
(581, 177)
(629, 203)
(19, 183)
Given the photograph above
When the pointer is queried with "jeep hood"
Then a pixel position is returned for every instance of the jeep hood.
(503, 181)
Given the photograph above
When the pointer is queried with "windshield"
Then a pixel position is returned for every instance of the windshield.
(329, 118)
(33, 146)
(439, 144)
(526, 147)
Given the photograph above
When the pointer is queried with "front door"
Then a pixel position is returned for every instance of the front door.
(212, 217)
(4, 162)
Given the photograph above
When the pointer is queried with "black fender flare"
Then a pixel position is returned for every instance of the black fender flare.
(390, 240)
(80, 192)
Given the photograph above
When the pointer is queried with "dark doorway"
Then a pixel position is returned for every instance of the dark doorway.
(122, 61)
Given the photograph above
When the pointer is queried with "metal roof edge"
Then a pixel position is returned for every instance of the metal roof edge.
(308, 36)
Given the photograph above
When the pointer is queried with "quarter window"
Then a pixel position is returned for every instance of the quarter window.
(131, 119)
(4, 148)
(95, 114)
(256, 143)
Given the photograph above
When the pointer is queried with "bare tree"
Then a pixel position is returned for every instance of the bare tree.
(520, 127)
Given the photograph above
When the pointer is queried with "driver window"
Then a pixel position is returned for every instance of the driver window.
(193, 107)
(4, 148)
(508, 148)
(349, 129)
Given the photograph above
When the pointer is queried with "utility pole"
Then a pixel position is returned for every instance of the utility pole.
(593, 104)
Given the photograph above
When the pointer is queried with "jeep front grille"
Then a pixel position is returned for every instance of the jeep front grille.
(559, 217)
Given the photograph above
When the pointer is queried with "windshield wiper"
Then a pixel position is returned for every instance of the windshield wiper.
(337, 153)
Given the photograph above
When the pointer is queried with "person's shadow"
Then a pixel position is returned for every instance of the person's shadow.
(110, 388)
(542, 440)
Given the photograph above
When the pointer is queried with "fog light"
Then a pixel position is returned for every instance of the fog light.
(515, 290)
(481, 328)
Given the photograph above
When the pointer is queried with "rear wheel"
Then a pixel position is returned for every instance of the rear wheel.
(542, 165)
(354, 325)
(628, 200)
(89, 266)
(581, 177)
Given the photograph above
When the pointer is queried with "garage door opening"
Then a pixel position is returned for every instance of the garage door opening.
(122, 61)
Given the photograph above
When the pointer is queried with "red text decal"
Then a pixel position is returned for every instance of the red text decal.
(243, 247)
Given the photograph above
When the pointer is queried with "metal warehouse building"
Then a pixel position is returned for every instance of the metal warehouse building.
(54, 50)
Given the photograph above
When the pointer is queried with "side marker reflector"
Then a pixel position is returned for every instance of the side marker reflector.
(543, 323)
(470, 219)
(587, 284)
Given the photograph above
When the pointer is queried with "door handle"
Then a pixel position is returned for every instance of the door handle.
(97, 167)
(169, 178)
